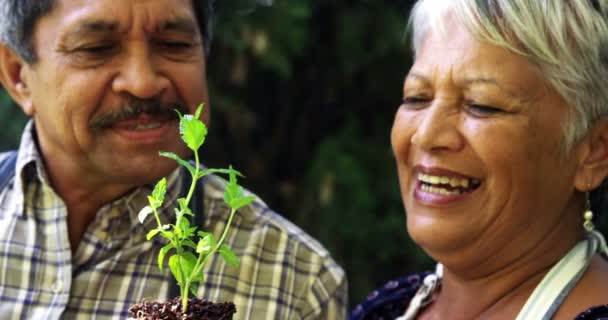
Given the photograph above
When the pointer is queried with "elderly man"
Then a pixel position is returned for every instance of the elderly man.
(100, 80)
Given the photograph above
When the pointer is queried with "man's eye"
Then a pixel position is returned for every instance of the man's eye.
(177, 45)
(96, 49)
(483, 110)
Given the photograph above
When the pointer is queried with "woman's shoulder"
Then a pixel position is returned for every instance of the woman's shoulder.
(595, 313)
(390, 300)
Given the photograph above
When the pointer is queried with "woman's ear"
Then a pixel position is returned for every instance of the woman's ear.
(13, 76)
(593, 167)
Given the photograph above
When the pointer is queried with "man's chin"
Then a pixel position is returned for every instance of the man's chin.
(138, 171)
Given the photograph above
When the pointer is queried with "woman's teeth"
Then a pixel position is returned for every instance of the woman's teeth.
(445, 185)
(438, 190)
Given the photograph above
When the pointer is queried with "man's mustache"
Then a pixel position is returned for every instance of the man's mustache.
(134, 108)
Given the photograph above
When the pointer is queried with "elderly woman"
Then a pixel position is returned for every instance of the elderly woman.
(501, 137)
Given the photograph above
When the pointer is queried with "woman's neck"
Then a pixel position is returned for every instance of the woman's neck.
(499, 290)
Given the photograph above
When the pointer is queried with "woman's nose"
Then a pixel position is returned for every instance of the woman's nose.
(436, 129)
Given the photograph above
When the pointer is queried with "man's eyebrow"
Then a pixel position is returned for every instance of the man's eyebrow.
(182, 25)
(91, 27)
(99, 26)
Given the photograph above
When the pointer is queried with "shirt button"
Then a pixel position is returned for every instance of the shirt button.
(57, 286)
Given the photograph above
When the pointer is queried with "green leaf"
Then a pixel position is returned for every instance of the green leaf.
(204, 245)
(188, 263)
(183, 205)
(203, 234)
(241, 202)
(188, 212)
(159, 190)
(205, 172)
(144, 213)
(229, 256)
(162, 253)
(233, 190)
(182, 263)
(230, 194)
(199, 110)
(184, 226)
(179, 160)
(167, 234)
(193, 131)
(178, 213)
(151, 234)
(232, 178)
(175, 266)
(199, 277)
(188, 233)
(194, 288)
(189, 243)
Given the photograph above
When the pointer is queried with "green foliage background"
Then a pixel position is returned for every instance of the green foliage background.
(303, 95)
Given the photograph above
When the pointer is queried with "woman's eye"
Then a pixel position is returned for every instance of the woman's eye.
(415, 102)
(483, 110)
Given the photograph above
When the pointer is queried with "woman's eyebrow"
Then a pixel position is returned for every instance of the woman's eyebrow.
(418, 77)
(492, 82)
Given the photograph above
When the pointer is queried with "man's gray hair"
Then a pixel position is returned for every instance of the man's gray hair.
(18, 18)
(567, 40)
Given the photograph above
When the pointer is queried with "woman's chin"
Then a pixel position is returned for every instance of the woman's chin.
(437, 238)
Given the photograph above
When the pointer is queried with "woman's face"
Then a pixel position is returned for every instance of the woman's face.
(477, 144)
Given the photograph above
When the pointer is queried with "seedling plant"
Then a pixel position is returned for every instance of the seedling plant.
(188, 248)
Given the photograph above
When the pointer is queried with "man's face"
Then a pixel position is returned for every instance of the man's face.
(108, 78)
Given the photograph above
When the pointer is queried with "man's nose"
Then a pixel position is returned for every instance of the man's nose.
(438, 129)
(140, 76)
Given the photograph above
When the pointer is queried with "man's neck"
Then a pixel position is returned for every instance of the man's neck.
(82, 194)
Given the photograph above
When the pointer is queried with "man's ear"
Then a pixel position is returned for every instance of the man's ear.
(593, 167)
(14, 79)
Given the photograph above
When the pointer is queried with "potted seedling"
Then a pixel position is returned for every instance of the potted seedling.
(189, 249)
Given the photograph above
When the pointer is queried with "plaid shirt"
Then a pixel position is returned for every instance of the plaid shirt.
(283, 273)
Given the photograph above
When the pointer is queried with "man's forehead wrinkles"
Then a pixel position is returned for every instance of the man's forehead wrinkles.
(97, 26)
(88, 27)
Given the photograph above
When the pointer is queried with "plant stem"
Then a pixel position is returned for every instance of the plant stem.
(160, 226)
(202, 258)
(194, 178)
(185, 288)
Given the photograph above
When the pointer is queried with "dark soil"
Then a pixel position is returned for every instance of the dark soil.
(172, 310)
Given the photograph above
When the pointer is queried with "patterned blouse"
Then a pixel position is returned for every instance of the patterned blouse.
(390, 301)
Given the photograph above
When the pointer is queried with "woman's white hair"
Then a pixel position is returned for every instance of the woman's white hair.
(566, 39)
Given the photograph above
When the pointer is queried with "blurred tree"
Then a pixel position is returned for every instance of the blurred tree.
(312, 134)
(12, 120)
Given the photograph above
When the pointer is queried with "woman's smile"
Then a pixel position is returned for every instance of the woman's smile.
(440, 187)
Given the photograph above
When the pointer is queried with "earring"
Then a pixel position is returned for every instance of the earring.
(588, 215)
